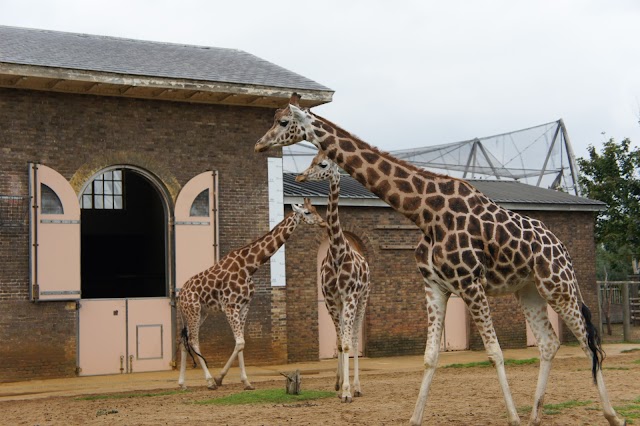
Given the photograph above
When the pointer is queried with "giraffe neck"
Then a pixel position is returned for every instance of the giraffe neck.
(267, 245)
(336, 236)
(416, 193)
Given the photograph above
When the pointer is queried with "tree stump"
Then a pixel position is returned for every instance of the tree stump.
(293, 382)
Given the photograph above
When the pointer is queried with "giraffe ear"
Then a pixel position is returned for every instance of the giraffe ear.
(295, 99)
(297, 112)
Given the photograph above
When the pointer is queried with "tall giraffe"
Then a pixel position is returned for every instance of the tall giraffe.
(228, 286)
(345, 279)
(471, 247)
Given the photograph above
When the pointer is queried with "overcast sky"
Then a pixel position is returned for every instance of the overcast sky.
(410, 73)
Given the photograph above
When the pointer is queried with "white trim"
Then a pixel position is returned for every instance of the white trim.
(276, 215)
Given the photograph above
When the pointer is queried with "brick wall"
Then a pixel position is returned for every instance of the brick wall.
(77, 135)
(396, 316)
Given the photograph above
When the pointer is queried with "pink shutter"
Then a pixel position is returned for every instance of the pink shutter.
(55, 236)
(195, 227)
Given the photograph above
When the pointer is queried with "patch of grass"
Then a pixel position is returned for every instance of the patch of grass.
(615, 368)
(637, 361)
(127, 395)
(552, 409)
(630, 411)
(628, 351)
(488, 363)
(266, 396)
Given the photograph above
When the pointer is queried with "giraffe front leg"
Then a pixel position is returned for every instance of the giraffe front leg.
(338, 386)
(347, 321)
(436, 307)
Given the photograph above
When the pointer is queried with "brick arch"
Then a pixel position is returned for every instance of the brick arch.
(100, 162)
(362, 240)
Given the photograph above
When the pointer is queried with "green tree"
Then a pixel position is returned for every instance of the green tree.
(612, 176)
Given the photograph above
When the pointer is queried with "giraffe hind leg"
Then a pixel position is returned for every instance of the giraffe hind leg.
(578, 318)
(535, 311)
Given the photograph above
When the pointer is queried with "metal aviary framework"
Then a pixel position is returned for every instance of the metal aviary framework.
(540, 155)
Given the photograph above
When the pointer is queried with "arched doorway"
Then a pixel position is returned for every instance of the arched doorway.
(125, 318)
(123, 237)
(326, 329)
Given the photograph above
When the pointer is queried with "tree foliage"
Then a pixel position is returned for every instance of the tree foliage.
(612, 176)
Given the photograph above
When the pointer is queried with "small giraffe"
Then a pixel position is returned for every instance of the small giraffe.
(471, 247)
(228, 286)
(345, 279)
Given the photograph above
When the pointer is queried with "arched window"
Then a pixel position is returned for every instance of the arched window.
(51, 203)
(200, 205)
(105, 192)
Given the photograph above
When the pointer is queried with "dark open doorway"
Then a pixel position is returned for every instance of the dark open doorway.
(123, 237)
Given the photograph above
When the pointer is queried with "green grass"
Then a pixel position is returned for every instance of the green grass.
(630, 411)
(266, 396)
(488, 363)
(627, 351)
(127, 395)
(551, 409)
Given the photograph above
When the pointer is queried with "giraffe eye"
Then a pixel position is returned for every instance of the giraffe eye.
(284, 123)
(323, 165)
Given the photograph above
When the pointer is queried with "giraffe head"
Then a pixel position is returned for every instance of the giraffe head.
(291, 125)
(308, 213)
(321, 168)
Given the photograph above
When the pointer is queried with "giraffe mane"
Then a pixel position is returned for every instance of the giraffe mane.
(387, 156)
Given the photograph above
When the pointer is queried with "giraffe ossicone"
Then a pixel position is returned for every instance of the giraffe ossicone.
(471, 247)
(344, 275)
(228, 286)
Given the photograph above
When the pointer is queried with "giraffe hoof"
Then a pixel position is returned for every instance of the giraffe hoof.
(218, 380)
(183, 388)
(346, 399)
(249, 387)
(337, 387)
(357, 394)
(211, 385)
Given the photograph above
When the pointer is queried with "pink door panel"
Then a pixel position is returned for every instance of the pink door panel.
(195, 227)
(456, 335)
(55, 236)
(149, 330)
(102, 337)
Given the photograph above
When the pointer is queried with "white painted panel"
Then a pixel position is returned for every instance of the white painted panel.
(276, 215)
(102, 337)
(55, 248)
(196, 248)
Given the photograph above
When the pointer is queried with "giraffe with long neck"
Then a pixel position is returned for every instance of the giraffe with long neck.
(344, 277)
(228, 287)
(471, 247)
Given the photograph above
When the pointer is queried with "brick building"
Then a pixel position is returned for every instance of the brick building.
(126, 166)
(395, 322)
(137, 156)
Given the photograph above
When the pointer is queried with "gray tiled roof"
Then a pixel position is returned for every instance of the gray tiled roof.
(511, 193)
(144, 58)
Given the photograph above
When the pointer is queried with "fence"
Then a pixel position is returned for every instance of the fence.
(620, 298)
(14, 211)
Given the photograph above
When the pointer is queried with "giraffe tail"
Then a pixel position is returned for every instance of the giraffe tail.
(189, 348)
(593, 341)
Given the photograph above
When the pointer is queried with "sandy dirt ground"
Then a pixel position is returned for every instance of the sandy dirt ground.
(458, 396)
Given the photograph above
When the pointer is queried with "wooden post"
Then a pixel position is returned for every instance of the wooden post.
(626, 316)
(293, 382)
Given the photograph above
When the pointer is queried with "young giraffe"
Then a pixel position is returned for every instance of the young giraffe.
(344, 277)
(471, 247)
(228, 286)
